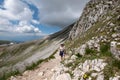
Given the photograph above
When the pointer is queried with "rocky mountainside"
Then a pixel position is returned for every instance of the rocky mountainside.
(94, 44)
(100, 21)
(97, 11)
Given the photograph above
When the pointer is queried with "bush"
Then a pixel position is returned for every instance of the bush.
(105, 50)
(104, 47)
(116, 63)
(78, 55)
(89, 51)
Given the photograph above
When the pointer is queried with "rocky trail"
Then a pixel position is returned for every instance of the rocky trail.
(44, 71)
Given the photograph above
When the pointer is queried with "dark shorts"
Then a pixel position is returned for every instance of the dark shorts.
(61, 53)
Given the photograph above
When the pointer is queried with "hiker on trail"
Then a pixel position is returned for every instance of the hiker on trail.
(62, 51)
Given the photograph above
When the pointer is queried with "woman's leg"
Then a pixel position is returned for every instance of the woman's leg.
(62, 56)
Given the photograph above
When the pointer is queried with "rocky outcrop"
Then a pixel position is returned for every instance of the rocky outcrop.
(91, 44)
(114, 49)
(95, 11)
(88, 66)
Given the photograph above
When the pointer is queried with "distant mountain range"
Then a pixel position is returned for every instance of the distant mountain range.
(4, 42)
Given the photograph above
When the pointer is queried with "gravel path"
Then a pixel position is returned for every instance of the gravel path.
(42, 72)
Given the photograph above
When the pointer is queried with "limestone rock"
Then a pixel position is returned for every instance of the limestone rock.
(114, 35)
(73, 57)
(81, 49)
(100, 77)
(40, 74)
(94, 74)
(115, 78)
(64, 76)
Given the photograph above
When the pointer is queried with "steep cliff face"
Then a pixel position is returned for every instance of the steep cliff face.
(95, 11)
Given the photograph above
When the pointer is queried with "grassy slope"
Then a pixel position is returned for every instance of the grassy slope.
(113, 64)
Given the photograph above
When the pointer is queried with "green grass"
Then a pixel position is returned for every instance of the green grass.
(34, 65)
(112, 67)
(104, 47)
(9, 74)
(105, 50)
(78, 55)
(89, 51)
(113, 64)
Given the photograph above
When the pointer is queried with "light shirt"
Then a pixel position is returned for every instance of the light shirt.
(62, 48)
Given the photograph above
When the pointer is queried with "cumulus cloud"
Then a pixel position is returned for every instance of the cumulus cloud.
(35, 21)
(22, 27)
(15, 10)
(23, 17)
(59, 12)
(25, 27)
(5, 25)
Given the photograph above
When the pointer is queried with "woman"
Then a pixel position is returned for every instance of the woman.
(62, 51)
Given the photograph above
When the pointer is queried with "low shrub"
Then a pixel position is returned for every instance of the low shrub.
(78, 55)
(89, 51)
(105, 50)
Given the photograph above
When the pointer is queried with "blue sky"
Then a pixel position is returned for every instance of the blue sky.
(25, 20)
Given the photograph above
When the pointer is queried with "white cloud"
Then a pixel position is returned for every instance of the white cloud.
(27, 29)
(35, 21)
(4, 22)
(59, 12)
(22, 27)
(16, 10)
(5, 25)
(50, 12)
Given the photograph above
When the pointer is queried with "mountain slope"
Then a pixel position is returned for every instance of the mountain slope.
(17, 58)
(96, 11)
(94, 42)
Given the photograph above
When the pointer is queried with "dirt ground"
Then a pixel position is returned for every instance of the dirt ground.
(42, 72)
